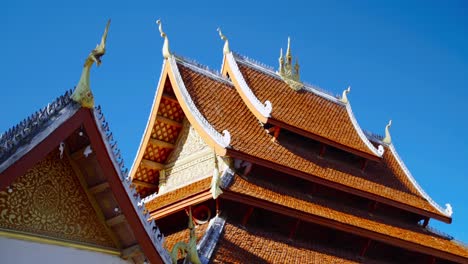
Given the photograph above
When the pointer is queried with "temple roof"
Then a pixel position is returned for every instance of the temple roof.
(344, 218)
(218, 101)
(81, 137)
(308, 111)
(238, 245)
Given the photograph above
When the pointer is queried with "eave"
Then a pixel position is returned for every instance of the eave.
(229, 195)
(303, 175)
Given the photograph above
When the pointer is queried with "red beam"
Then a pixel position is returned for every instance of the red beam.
(247, 215)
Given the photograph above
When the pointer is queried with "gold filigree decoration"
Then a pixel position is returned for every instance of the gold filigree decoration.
(288, 72)
(48, 201)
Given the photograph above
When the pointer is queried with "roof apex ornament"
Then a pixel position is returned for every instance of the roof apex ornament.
(82, 93)
(165, 49)
(344, 96)
(226, 49)
(288, 72)
(190, 248)
(387, 139)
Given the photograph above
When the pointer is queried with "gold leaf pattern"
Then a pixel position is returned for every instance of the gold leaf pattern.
(48, 200)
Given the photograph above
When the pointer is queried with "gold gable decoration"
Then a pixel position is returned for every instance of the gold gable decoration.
(288, 72)
(48, 201)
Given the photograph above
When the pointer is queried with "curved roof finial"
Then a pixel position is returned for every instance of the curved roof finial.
(82, 93)
(344, 96)
(387, 139)
(226, 42)
(165, 50)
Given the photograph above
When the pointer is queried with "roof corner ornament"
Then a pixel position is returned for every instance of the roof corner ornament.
(82, 93)
(216, 180)
(226, 49)
(188, 249)
(387, 139)
(165, 49)
(289, 72)
(448, 209)
(344, 96)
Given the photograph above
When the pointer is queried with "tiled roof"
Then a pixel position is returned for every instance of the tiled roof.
(221, 105)
(304, 109)
(238, 245)
(345, 215)
(176, 195)
(184, 236)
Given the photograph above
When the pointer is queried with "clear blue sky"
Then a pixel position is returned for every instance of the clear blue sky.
(404, 61)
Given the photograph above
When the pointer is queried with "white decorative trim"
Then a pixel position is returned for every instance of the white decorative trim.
(447, 212)
(267, 70)
(378, 152)
(152, 230)
(134, 165)
(264, 109)
(223, 140)
(208, 243)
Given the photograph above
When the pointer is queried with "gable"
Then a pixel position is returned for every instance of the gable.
(48, 201)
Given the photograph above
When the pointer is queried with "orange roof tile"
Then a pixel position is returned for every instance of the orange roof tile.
(345, 215)
(304, 109)
(238, 245)
(220, 104)
(184, 236)
(178, 194)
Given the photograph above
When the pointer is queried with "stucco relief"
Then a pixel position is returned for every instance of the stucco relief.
(188, 143)
(48, 200)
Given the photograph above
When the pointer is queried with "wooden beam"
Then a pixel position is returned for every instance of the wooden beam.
(152, 165)
(78, 154)
(323, 149)
(168, 121)
(293, 231)
(426, 222)
(169, 97)
(116, 220)
(162, 144)
(247, 215)
(365, 247)
(131, 251)
(99, 187)
(145, 184)
(364, 164)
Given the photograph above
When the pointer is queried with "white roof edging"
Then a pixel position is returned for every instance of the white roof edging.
(264, 109)
(224, 139)
(447, 212)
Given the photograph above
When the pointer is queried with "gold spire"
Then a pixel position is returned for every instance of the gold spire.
(82, 93)
(388, 138)
(288, 72)
(226, 42)
(165, 50)
(188, 249)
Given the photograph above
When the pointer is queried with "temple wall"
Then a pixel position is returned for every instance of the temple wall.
(19, 251)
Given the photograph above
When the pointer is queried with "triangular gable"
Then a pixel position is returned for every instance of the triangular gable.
(73, 145)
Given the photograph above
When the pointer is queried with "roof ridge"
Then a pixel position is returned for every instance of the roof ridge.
(271, 71)
(203, 69)
(11, 139)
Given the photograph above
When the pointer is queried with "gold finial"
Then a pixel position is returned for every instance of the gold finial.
(216, 180)
(288, 52)
(281, 62)
(226, 42)
(165, 50)
(344, 96)
(82, 93)
(388, 138)
(288, 72)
